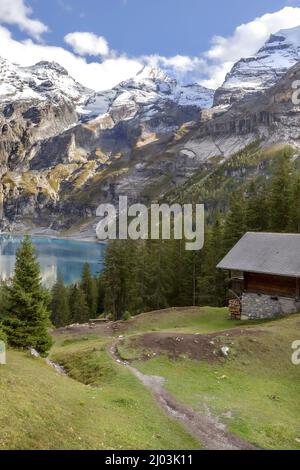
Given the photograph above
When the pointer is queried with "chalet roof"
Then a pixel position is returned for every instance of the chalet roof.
(267, 253)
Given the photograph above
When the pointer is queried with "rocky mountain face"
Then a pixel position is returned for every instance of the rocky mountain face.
(56, 135)
(255, 74)
(39, 83)
(67, 149)
(151, 93)
(35, 103)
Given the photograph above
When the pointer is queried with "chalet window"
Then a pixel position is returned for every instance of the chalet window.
(237, 274)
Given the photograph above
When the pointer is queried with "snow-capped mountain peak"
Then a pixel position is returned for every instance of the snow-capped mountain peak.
(259, 72)
(151, 73)
(54, 66)
(40, 82)
(288, 36)
(150, 88)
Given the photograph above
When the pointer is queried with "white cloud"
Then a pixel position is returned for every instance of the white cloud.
(180, 64)
(87, 44)
(95, 75)
(211, 67)
(246, 40)
(16, 12)
(208, 68)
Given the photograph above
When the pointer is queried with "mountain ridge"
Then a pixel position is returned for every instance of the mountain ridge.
(261, 71)
(141, 139)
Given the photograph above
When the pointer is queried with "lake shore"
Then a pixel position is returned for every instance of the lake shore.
(87, 236)
(58, 256)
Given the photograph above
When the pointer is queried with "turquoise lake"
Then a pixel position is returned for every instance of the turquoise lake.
(57, 257)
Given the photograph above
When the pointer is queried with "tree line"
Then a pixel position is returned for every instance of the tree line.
(151, 274)
(77, 303)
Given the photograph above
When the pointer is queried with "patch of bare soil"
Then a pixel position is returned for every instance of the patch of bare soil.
(206, 428)
(197, 346)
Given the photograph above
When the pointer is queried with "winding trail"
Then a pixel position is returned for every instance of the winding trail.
(210, 433)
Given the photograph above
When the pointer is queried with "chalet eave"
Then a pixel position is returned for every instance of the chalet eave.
(244, 270)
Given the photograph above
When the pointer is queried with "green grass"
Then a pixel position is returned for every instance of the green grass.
(40, 409)
(185, 320)
(258, 385)
(101, 405)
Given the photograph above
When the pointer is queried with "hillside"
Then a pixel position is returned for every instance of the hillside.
(40, 409)
(247, 400)
(218, 179)
(251, 395)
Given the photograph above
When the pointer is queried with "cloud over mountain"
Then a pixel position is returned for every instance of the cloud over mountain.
(209, 68)
(16, 12)
(87, 44)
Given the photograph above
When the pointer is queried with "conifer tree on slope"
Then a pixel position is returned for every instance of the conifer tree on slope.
(60, 310)
(89, 287)
(115, 278)
(256, 211)
(294, 206)
(27, 316)
(234, 227)
(280, 195)
(78, 306)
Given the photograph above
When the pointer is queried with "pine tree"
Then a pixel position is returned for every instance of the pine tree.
(159, 275)
(3, 298)
(256, 219)
(60, 310)
(234, 227)
(280, 195)
(211, 283)
(183, 266)
(133, 263)
(89, 287)
(219, 275)
(100, 294)
(294, 206)
(114, 276)
(27, 316)
(79, 309)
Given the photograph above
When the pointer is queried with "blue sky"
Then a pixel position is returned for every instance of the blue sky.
(138, 27)
(121, 36)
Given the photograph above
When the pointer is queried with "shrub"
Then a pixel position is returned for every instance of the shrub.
(126, 316)
(3, 336)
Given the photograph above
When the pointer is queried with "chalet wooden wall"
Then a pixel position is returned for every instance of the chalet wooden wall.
(269, 284)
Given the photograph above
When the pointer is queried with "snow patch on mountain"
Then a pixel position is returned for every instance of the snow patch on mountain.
(261, 71)
(150, 89)
(41, 82)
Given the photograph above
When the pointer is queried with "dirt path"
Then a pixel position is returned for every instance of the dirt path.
(204, 427)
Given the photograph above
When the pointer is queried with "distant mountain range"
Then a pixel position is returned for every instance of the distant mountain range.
(64, 149)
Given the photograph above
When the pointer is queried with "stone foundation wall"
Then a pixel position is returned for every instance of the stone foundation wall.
(256, 306)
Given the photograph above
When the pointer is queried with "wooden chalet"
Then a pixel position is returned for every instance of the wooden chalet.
(264, 275)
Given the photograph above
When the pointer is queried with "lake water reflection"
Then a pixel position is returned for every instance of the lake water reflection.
(57, 257)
